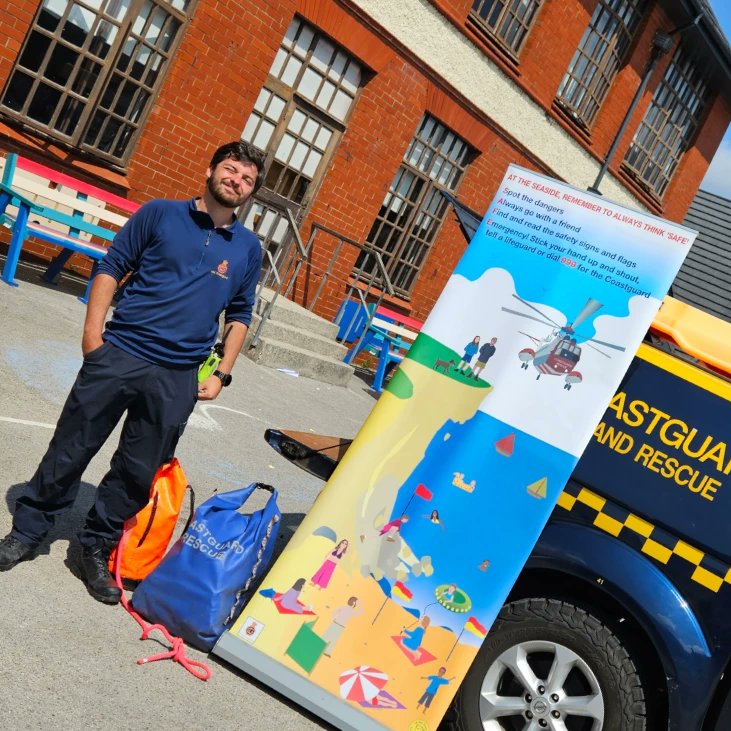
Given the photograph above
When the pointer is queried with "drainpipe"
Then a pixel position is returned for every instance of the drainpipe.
(662, 43)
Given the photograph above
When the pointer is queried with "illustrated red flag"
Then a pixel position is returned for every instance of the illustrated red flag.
(423, 492)
(473, 626)
(401, 591)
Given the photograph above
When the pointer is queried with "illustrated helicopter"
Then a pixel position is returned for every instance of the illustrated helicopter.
(558, 353)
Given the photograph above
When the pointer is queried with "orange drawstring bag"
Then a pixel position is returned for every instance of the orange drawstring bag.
(153, 527)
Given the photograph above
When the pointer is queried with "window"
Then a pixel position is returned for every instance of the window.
(297, 121)
(89, 69)
(598, 58)
(507, 21)
(413, 209)
(668, 126)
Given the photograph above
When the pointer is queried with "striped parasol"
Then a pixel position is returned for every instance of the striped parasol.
(362, 683)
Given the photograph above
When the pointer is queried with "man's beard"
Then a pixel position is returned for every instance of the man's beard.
(216, 188)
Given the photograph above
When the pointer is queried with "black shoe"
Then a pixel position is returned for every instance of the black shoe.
(93, 564)
(13, 551)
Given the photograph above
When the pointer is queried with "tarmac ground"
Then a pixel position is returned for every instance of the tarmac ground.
(69, 662)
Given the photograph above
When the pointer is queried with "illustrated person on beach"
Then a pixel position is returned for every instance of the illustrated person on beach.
(341, 617)
(470, 351)
(391, 529)
(434, 518)
(412, 638)
(448, 595)
(290, 599)
(323, 575)
(486, 352)
(435, 682)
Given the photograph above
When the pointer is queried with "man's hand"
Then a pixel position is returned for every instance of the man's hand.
(209, 389)
(91, 342)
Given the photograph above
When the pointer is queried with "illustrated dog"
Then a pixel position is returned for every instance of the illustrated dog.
(444, 364)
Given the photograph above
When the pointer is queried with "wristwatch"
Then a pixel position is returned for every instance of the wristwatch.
(225, 377)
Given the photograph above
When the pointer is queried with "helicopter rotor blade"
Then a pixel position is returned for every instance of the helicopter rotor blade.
(535, 340)
(621, 348)
(587, 310)
(601, 352)
(529, 317)
(535, 309)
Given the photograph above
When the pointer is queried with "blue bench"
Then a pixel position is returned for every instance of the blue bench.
(41, 198)
(389, 337)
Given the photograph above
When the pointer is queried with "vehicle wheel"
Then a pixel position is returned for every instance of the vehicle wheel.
(547, 664)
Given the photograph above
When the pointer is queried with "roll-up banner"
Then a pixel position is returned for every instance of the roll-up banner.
(374, 612)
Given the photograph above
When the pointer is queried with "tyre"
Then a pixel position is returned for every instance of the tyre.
(550, 664)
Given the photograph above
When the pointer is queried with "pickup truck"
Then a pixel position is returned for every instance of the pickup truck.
(621, 618)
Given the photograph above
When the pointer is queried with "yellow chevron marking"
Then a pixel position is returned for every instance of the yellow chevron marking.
(639, 526)
(689, 553)
(707, 579)
(608, 524)
(654, 549)
(590, 499)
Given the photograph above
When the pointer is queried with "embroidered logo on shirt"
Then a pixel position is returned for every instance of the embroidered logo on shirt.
(221, 270)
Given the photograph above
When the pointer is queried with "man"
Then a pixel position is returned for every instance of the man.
(341, 617)
(435, 681)
(189, 261)
(486, 352)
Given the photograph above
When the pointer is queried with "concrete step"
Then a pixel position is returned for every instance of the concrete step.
(300, 338)
(293, 314)
(276, 354)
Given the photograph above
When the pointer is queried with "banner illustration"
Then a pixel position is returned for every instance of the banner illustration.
(375, 611)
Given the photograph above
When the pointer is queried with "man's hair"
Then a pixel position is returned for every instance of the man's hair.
(241, 152)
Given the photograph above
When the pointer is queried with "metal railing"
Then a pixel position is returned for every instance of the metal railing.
(365, 285)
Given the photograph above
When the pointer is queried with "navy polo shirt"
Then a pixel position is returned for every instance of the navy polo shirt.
(185, 272)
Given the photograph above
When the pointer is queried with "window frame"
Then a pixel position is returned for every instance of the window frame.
(406, 241)
(108, 68)
(683, 75)
(479, 24)
(293, 100)
(585, 112)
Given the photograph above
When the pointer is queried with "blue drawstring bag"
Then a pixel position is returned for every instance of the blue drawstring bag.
(196, 590)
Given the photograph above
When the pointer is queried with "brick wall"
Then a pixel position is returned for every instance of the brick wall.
(224, 58)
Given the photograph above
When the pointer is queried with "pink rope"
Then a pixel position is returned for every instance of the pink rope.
(177, 653)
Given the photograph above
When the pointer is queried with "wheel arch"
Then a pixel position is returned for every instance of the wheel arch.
(593, 567)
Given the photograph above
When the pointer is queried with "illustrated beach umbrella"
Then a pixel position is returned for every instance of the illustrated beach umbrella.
(451, 597)
(362, 683)
(473, 626)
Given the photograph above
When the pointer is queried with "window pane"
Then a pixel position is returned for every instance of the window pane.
(61, 64)
(69, 116)
(85, 77)
(18, 91)
(51, 13)
(77, 25)
(507, 21)
(43, 104)
(103, 39)
(35, 51)
(117, 9)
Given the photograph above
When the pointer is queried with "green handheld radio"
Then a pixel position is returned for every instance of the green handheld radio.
(210, 364)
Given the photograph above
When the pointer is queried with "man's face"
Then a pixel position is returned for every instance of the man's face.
(231, 182)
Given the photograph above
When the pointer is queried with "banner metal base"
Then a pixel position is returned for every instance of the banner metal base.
(292, 685)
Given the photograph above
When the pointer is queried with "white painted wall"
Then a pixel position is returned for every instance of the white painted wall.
(434, 40)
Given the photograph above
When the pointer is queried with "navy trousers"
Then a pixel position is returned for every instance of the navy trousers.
(158, 401)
